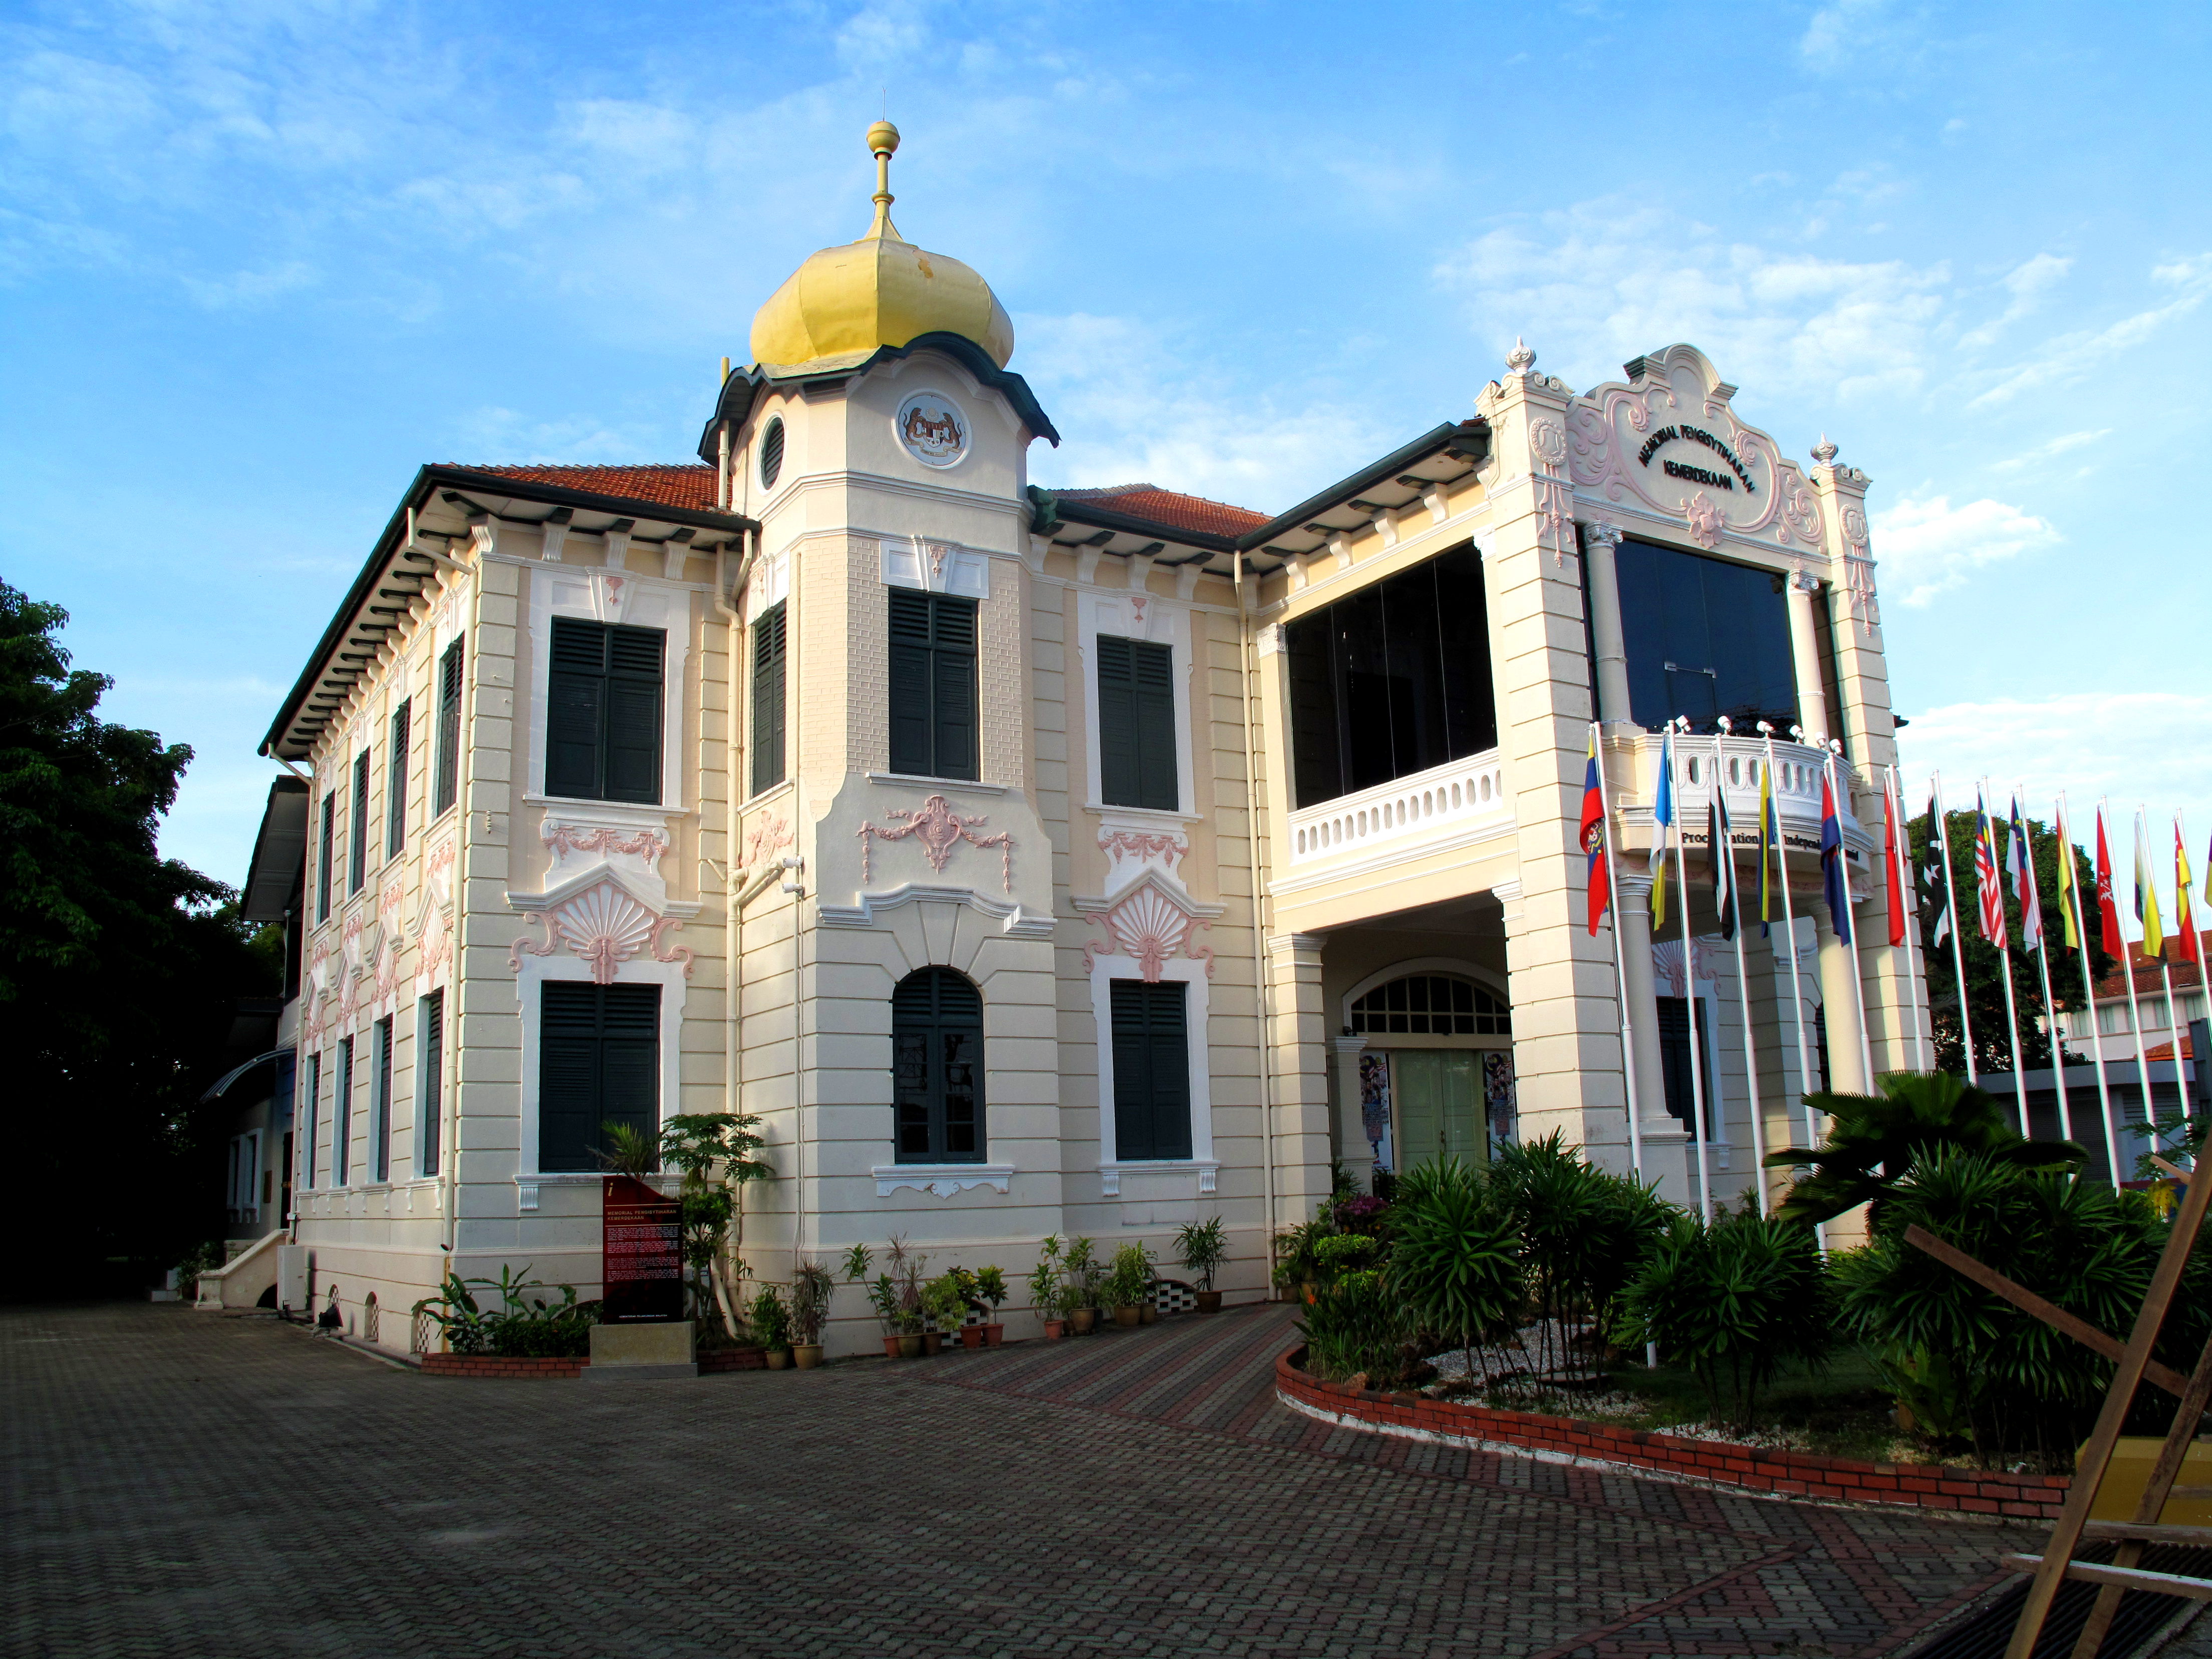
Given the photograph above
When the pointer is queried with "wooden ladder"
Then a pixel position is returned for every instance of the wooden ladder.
(2133, 1366)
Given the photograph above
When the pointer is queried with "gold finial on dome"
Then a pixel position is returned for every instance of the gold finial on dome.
(845, 302)
(882, 144)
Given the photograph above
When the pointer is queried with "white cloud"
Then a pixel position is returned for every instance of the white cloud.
(2029, 282)
(1610, 279)
(507, 437)
(2072, 356)
(1926, 546)
(2065, 442)
(245, 289)
(2151, 749)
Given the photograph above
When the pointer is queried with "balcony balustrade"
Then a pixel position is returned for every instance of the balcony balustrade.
(1406, 816)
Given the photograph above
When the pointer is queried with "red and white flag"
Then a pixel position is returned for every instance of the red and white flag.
(2108, 911)
(1989, 884)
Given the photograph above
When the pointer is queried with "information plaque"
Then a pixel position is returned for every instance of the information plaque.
(643, 1246)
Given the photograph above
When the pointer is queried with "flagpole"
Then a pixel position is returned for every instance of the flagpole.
(2203, 980)
(1698, 1124)
(1958, 945)
(1796, 996)
(1916, 982)
(2043, 967)
(1844, 868)
(2165, 975)
(1619, 959)
(1742, 982)
(2135, 1013)
(1986, 839)
(2089, 995)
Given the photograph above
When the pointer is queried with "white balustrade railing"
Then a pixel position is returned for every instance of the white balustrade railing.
(1401, 814)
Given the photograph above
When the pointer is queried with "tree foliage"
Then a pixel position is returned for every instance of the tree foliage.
(1985, 964)
(119, 972)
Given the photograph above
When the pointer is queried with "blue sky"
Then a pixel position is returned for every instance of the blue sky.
(257, 262)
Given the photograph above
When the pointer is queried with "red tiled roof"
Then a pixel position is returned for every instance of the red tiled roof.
(691, 486)
(2187, 975)
(1165, 507)
(2165, 1050)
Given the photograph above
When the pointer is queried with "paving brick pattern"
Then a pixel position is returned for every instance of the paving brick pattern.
(176, 1483)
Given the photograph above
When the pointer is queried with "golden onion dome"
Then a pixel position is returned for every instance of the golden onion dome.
(880, 291)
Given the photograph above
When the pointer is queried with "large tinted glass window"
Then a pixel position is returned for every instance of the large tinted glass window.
(1705, 638)
(1392, 680)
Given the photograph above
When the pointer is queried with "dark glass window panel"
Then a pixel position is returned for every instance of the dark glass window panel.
(1432, 1005)
(599, 1063)
(1827, 605)
(1674, 1060)
(1391, 680)
(1705, 638)
(937, 1068)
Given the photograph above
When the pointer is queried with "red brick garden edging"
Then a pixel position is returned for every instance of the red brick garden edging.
(492, 1365)
(733, 1359)
(1797, 1474)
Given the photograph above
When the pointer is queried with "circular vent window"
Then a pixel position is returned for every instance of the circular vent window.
(771, 453)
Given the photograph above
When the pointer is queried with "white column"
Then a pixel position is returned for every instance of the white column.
(1840, 1008)
(1599, 541)
(1805, 657)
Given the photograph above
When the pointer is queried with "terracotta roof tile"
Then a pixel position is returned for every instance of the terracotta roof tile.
(691, 486)
(1166, 508)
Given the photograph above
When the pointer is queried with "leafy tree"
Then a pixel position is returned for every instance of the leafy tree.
(1985, 998)
(119, 972)
(1875, 1141)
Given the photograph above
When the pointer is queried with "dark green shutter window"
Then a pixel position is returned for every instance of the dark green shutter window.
(599, 1063)
(380, 1121)
(1136, 725)
(1151, 1070)
(328, 845)
(357, 848)
(932, 684)
(937, 1068)
(314, 1116)
(768, 699)
(603, 712)
(771, 453)
(430, 1069)
(341, 1115)
(395, 786)
(445, 788)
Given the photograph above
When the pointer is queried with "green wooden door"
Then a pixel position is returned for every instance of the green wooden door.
(1439, 1101)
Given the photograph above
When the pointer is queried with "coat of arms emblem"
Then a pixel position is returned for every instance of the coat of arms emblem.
(933, 429)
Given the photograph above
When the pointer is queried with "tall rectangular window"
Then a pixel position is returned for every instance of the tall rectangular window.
(310, 1120)
(768, 649)
(1703, 638)
(1674, 1058)
(1136, 724)
(341, 1115)
(431, 1080)
(380, 1108)
(1151, 1070)
(1391, 680)
(936, 1067)
(599, 1063)
(1824, 605)
(603, 712)
(932, 679)
(445, 781)
(357, 831)
(326, 848)
(395, 785)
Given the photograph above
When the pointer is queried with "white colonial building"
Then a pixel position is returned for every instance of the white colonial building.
(1040, 861)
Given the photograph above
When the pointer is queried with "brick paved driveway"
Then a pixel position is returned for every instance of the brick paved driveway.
(179, 1484)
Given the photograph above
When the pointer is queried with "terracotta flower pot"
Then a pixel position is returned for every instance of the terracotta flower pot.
(909, 1345)
(1084, 1319)
(806, 1355)
(1148, 1313)
(932, 1342)
(778, 1358)
(890, 1348)
(1054, 1329)
(993, 1335)
(1209, 1301)
(1127, 1313)
(971, 1336)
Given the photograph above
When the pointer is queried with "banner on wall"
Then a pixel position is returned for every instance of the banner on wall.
(1497, 1096)
(1374, 1105)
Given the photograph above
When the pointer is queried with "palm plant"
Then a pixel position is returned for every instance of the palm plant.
(1875, 1141)
(811, 1287)
(1205, 1246)
(1455, 1267)
(1584, 1234)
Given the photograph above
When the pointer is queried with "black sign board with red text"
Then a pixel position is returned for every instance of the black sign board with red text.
(642, 1245)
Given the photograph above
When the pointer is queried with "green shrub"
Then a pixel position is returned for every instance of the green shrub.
(1735, 1302)
(1131, 1281)
(521, 1326)
(1356, 1325)
(1205, 1246)
(1455, 1267)
(769, 1321)
(1971, 1365)
(1583, 1233)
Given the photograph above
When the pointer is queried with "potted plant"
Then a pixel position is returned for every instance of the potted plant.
(811, 1287)
(944, 1305)
(1205, 1246)
(884, 1299)
(1298, 1262)
(1046, 1293)
(991, 1285)
(771, 1326)
(971, 1300)
(1129, 1283)
(1079, 1288)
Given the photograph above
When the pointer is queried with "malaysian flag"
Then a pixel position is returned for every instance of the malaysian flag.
(1989, 884)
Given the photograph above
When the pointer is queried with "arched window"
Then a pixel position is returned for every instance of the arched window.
(1432, 1005)
(937, 1068)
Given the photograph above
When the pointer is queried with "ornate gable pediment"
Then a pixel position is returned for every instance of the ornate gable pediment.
(1152, 921)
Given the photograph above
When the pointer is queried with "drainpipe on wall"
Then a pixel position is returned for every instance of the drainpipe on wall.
(1259, 933)
(464, 846)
